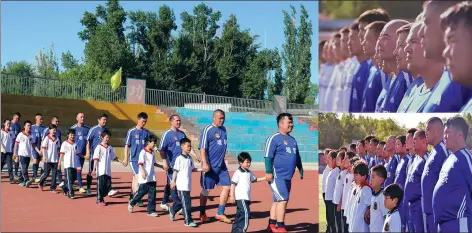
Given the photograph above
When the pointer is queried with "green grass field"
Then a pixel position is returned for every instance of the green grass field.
(322, 208)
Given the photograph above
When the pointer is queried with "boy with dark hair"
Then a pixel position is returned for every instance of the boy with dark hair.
(393, 196)
(362, 202)
(241, 192)
(377, 209)
(182, 179)
(72, 164)
(330, 186)
(147, 177)
(24, 149)
(348, 184)
(338, 190)
(102, 156)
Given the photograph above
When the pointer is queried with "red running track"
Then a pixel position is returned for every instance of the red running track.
(28, 209)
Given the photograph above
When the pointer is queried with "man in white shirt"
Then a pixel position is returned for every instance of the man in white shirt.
(337, 75)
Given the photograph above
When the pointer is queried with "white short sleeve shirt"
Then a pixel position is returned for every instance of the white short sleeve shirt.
(377, 212)
(147, 159)
(338, 188)
(184, 167)
(51, 146)
(362, 202)
(242, 180)
(346, 188)
(69, 151)
(331, 183)
(104, 156)
(393, 223)
(25, 146)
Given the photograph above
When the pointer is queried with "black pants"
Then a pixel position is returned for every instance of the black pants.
(186, 204)
(330, 217)
(345, 225)
(241, 220)
(338, 219)
(103, 187)
(48, 167)
(24, 161)
(168, 192)
(71, 176)
(7, 158)
(148, 188)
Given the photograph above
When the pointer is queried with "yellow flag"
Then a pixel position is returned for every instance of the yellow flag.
(116, 80)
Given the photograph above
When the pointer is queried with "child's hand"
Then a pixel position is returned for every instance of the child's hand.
(94, 172)
(143, 175)
(231, 199)
(338, 208)
(367, 216)
(172, 185)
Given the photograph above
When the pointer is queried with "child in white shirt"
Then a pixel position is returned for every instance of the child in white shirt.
(49, 148)
(182, 180)
(393, 195)
(24, 149)
(7, 143)
(347, 164)
(146, 177)
(377, 210)
(362, 202)
(103, 155)
(241, 192)
(71, 163)
(338, 190)
(330, 185)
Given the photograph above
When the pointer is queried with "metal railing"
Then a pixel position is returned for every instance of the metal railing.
(56, 88)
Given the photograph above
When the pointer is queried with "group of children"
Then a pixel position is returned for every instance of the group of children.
(406, 192)
(57, 156)
(356, 201)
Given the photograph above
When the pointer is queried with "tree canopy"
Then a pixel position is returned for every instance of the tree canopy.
(200, 55)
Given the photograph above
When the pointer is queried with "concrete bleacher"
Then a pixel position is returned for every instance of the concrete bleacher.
(121, 117)
(249, 131)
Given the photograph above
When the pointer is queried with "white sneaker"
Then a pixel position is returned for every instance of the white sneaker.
(112, 193)
(165, 207)
(180, 212)
(130, 208)
(61, 184)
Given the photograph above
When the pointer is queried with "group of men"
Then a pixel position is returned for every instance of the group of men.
(281, 159)
(436, 184)
(379, 64)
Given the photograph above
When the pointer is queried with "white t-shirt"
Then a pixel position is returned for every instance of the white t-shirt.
(147, 159)
(184, 167)
(360, 206)
(377, 212)
(338, 188)
(346, 188)
(330, 93)
(393, 223)
(69, 152)
(52, 149)
(104, 156)
(25, 146)
(354, 192)
(7, 142)
(325, 176)
(331, 183)
(242, 180)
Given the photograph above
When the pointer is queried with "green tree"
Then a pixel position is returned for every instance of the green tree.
(68, 61)
(19, 68)
(46, 64)
(296, 55)
(313, 94)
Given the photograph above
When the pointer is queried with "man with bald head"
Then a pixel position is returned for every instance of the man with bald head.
(374, 84)
(430, 71)
(393, 160)
(432, 168)
(213, 144)
(400, 80)
(447, 96)
(457, 25)
(80, 138)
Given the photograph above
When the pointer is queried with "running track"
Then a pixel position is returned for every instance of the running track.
(28, 209)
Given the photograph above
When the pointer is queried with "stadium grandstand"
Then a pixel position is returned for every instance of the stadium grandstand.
(249, 122)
